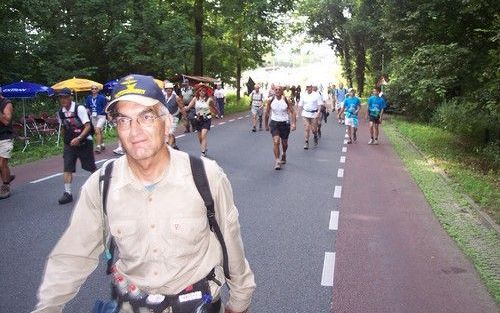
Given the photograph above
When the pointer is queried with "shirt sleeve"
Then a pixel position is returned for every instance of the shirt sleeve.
(82, 114)
(76, 255)
(242, 282)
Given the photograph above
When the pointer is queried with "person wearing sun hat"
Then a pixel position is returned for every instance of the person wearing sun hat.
(158, 220)
(204, 105)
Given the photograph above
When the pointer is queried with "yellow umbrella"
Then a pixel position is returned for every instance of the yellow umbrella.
(159, 82)
(76, 84)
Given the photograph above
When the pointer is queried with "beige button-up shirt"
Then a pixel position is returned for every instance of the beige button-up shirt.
(163, 236)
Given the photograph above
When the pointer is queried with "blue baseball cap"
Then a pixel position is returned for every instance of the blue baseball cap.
(136, 88)
(64, 92)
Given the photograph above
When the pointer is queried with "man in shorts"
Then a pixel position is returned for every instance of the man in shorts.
(376, 106)
(311, 103)
(340, 94)
(77, 139)
(257, 107)
(95, 103)
(352, 105)
(175, 108)
(6, 145)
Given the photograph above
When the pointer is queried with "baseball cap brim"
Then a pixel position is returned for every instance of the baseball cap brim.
(142, 100)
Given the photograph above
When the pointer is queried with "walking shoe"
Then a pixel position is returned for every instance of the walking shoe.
(4, 191)
(103, 147)
(283, 158)
(355, 137)
(254, 129)
(204, 153)
(98, 149)
(277, 166)
(315, 139)
(349, 141)
(371, 142)
(306, 145)
(375, 142)
(66, 198)
(118, 151)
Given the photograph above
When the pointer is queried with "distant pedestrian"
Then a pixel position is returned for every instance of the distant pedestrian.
(279, 109)
(352, 105)
(340, 95)
(311, 104)
(77, 137)
(257, 107)
(6, 145)
(203, 105)
(95, 103)
(297, 94)
(175, 108)
(220, 98)
(376, 106)
(187, 94)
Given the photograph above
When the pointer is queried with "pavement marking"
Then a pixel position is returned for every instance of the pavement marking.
(180, 136)
(345, 141)
(213, 125)
(337, 192)
(334, 220)
(328, 268)
(248, 115)
(342, 159)
(344, 149)
(346, 136)
(45, 178)
(222, 123)
(340, 172)
(232, 120)
(240, 118)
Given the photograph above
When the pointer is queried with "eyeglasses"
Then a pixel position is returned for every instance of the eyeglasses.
(144, 119)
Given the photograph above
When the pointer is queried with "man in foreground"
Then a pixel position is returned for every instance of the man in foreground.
(168, 254)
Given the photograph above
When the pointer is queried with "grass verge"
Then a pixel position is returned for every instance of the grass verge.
(460, 221)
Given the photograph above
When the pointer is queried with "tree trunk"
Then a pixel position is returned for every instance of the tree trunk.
(198, 42)
(347, 65)
(238, 69)
(360, 66)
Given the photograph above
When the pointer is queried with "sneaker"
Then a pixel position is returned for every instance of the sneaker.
(306, 145)
(4, 191)
(375, 142)
(66, 198)
(97, 149)
(103, 147)
(118, 151)
(315, 139)
(371, 141)
(204, 153)
(355, 137)
(277, 166)
(222, 116)
(349, 141)
(254, 129)
(283, 158)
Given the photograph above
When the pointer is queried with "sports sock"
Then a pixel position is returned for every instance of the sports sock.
(67, 188)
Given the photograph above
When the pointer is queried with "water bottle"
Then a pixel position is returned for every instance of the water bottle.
(135, 293)
(205, 301)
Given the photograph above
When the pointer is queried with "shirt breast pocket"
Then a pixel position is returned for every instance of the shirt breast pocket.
(188, 233)
(126, 238)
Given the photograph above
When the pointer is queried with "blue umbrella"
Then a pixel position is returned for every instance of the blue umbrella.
(25, 90)
(108, 86)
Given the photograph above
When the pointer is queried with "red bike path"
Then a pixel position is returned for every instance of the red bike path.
(392, 255)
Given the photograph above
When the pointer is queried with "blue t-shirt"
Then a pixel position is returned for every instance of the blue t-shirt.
(375, 105)
(351, 104)
(340, 94)
(96, 105)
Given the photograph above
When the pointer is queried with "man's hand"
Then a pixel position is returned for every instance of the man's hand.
(75, 142)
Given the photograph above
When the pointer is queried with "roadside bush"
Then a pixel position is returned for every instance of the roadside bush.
(424, 81)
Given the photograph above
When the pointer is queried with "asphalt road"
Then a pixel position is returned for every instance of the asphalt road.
(285, 217)
(316, 239)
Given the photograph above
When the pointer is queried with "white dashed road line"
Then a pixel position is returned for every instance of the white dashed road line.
(340, 173)
(180, 136)
(45, 178)
(240, 118)
(342, 159)
(232, 120)
(328, 268)
(344, 149)
(222, 123)
(334, 220)
(338, 192)
(345, 141)
(346, 136)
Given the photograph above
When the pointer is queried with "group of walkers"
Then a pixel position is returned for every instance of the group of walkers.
(279, 115)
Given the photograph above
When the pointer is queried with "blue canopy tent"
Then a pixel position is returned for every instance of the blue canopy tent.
(25, 90)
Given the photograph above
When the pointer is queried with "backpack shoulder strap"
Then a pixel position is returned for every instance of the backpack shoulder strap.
(201, 182)
(104, 180)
